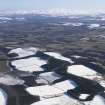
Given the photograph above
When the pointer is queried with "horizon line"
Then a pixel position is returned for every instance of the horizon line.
(52, 12)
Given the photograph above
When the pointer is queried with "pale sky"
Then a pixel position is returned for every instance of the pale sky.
(72, 5)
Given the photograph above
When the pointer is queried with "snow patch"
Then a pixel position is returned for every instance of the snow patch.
(9, 80)
(82, 71)
(3, 97)
(97, 100)
(30, 64)
(72, 24)
(85, 39)
(83, 96)
(102, 18)
(76, 56)
(45, 91)
(94, 26)
(62, 100)
(48, 91)
(20, 19)
(5, 18)
(85, 72)
(49, 76)
(58, 56)
(65, 85)
(23, 52)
